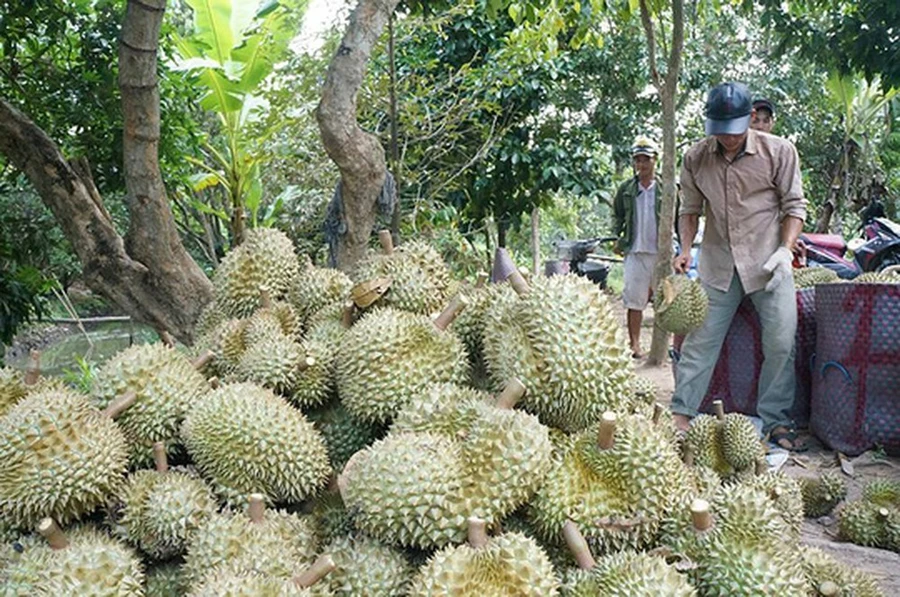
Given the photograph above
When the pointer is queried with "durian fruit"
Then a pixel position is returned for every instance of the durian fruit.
(316, 288)
(786, 495)
(275, 361)
(680, 304)
(12, 388)
(643, 391)
(562, 339)
(166, 384)
(248, 440)
(876, 278)
(868, 524)
(616, 481)
(728, 444)
(232, 582)
(264, 262)
(390, 356)
(882, 492)
(210, 318)
(83, 561)
(158, 510)
(331, 518)
(226, 342)
(420, 280)
(822, 494)
(364, 567)
(829, 577)
(61, 457)
(624, 574)
(344, 435)
(509, 564)
(807, 277)
(269, 542)
(165, 580)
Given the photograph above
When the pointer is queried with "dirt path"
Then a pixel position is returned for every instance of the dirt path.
(822, 533)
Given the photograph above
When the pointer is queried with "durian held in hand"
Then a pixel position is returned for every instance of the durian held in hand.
(680, 304)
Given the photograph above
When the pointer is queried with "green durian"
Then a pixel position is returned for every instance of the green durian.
(786, 495)
(12, 388)
(821, 568)
(61, 458)
(573, 371)
(733, 567)
(276, 362)
(882, 492)
(332, 519)
(868, 524)
(680, 304)
(741, 445)
(248, 440)
(165, 580)
(225, 582)
(365, 567)
(631, 574)
(166, 385)
(316, 288)
(344, 435)
(822, 494)
(876, 278)
(808, 277)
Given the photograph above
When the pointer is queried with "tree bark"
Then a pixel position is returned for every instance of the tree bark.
(148, 273)
(359, 155)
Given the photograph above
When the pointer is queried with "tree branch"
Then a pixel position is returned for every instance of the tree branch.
(651, 43)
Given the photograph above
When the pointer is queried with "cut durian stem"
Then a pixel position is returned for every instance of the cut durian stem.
(829, 589)
(518, 282)
(688, 455)
(701, 517)
(118, 406)
(159, 457)
(762, 466)
(33, 373)
(50, 531)
(606, 435)
(323, 566)
(265, 299)
(477, 532)
(348, 315)
(203, 360)
(167, 338)
(657, 411)
(512, 393)
(457, 304)
(719, 408)
(578, 546)
(257, 509)
(306, 363)
(481, 280)
(387, 242)
(214, 383)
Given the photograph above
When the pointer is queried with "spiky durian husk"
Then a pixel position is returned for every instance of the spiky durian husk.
(388, 357)
(868, 524)
(407, 489)
(265, 261)
(736, 568)
(316, 383)
(741, 445)
(631, 574)
(166, 384)
(785, 494)
(822, 494)
(821, 567)
(318, 287)
(210, 318)
(159, 511)
(92, 564)
(510, 564)
(629, 487)
(331, 518)
(165, 580)
(227, 582)
(227, 343)
(280, 545)
(882, 492)
(61, 458)
(687, 309)
(366, 567)
(643, 391)
(344, 435)
(327, 325)
(807, 277)
(420, 280)
(876, 278)
(574, 371)
(703, 440)
(12, 388)
(274, 361)
(249, 440)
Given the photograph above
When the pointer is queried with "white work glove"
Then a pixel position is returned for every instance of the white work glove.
(779, 265)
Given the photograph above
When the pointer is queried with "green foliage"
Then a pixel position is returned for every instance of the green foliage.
(21, 287)
(82, 376)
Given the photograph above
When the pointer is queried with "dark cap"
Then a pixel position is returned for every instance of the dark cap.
(765, 105)
(728, 109)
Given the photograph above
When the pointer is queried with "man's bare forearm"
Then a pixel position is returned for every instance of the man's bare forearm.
(687, 230)
(790, 231)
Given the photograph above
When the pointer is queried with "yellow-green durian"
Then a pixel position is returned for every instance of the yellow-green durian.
(822, 494)
(227, 582)
(344, 434)
(12, 388)
(165, 580)
(316, 288)
(808, 277)
(365, 567)
(821, 568)
(633, 574)
(785, 494)
(680, 304)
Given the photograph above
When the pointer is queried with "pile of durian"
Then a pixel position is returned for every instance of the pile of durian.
(390, 432)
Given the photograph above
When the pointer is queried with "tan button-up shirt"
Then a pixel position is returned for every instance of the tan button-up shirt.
(745, 201)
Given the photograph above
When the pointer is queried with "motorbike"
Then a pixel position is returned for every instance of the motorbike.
(877, 249)
(578, 257)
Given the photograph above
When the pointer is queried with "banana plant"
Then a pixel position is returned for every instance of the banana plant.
(232, 49)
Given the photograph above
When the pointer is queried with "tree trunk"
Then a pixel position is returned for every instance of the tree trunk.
(358, 155)
(536, 241)
(148, 274)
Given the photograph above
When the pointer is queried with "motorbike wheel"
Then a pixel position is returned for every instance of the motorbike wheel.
(892, 258)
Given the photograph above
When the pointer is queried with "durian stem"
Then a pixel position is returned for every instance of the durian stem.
(348, 315)
(167, 338)
(159, 457)
(319, 570)
(829, 589)
(52, 533)
(265, 299)
(719, 408)
(203, 360)
(257, 508)
(477, 535)
(306, 363)
(387, 243)
(511, 394)
(33, 373)
(118, 406)
(481, 280)
(688, 455)
(606, 435)
(214, 383)
(518, 282)
(578, 546)
(657, 412)
(457, 303)
(700, 514)
(762, 466)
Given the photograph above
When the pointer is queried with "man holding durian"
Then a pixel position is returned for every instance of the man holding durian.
(748, 186)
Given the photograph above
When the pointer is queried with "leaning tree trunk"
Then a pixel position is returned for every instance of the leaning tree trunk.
(359, 155)
(148, 274)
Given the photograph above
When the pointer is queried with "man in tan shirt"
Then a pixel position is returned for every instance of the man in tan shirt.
(748, 186)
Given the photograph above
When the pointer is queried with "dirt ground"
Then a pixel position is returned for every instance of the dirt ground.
(821, 533)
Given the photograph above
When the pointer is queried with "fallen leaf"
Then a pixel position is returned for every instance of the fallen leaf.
(846, 464)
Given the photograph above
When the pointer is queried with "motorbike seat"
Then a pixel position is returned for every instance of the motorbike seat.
(834, 242)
